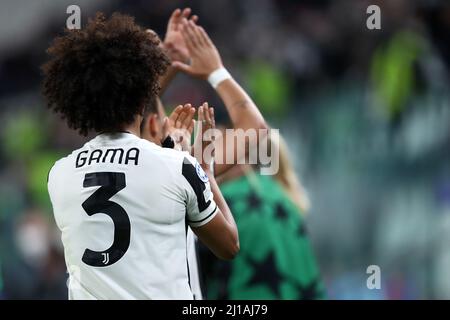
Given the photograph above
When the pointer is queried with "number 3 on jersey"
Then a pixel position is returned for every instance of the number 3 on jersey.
(110, 183)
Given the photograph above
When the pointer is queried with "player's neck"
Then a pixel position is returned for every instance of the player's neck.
(134, 127)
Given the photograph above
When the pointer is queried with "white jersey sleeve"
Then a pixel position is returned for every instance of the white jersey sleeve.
(201, 207)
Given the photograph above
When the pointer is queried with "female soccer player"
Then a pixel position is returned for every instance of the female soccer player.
(276, 260)
(122, 202)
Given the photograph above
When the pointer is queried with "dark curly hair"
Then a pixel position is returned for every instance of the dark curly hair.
(100, 77)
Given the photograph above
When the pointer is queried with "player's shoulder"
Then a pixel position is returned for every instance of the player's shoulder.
(177, 161)
(151, 150)
(62, 163)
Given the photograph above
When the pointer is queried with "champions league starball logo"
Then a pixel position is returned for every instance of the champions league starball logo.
(201, 173)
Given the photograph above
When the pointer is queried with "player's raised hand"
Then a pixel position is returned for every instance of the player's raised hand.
(174, 42)
(204, 55)
(179, 125)
(203, 149)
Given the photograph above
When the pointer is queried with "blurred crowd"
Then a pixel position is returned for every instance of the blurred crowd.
(365, 113)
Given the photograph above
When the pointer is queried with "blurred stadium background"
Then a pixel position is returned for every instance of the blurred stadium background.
(366, 115)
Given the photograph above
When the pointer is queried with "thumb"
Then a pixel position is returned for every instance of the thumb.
(182, 67)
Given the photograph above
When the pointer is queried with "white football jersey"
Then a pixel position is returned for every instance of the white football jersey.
(193, 266)
(123, 205)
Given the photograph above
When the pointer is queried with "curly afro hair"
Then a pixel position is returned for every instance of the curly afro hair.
(100, 77)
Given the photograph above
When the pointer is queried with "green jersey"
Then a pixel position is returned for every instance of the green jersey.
(276, 260)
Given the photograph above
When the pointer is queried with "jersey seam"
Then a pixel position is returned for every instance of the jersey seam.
(209, 215)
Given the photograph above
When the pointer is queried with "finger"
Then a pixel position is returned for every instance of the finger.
(180, 120)
(188, 39)
(186, 12)
(207, 116)
(194, 18)
(173, 20)
(206, 112)
(182, 67)
(188, 119)
(196, 31)
(191, 126)
(211, 115)
(175, 113)
(183, 16)
(204, 35)
(200, 116)
(183, 115)
(187, 108)
(191, 37)
(175, 15)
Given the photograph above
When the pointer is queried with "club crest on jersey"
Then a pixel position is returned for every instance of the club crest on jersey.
(201, 173)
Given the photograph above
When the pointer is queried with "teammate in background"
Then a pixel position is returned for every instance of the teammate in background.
(122, 202)
(270, 213)
(177, 131)
(179, 52)
(178, 126)
(276, 260)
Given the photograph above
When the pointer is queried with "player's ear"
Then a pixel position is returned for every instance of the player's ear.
(145, 133)
(154, 128)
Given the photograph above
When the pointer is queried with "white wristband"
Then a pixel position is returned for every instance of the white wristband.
(217, 76)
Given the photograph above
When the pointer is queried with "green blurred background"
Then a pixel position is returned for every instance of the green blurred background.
(366, 114)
